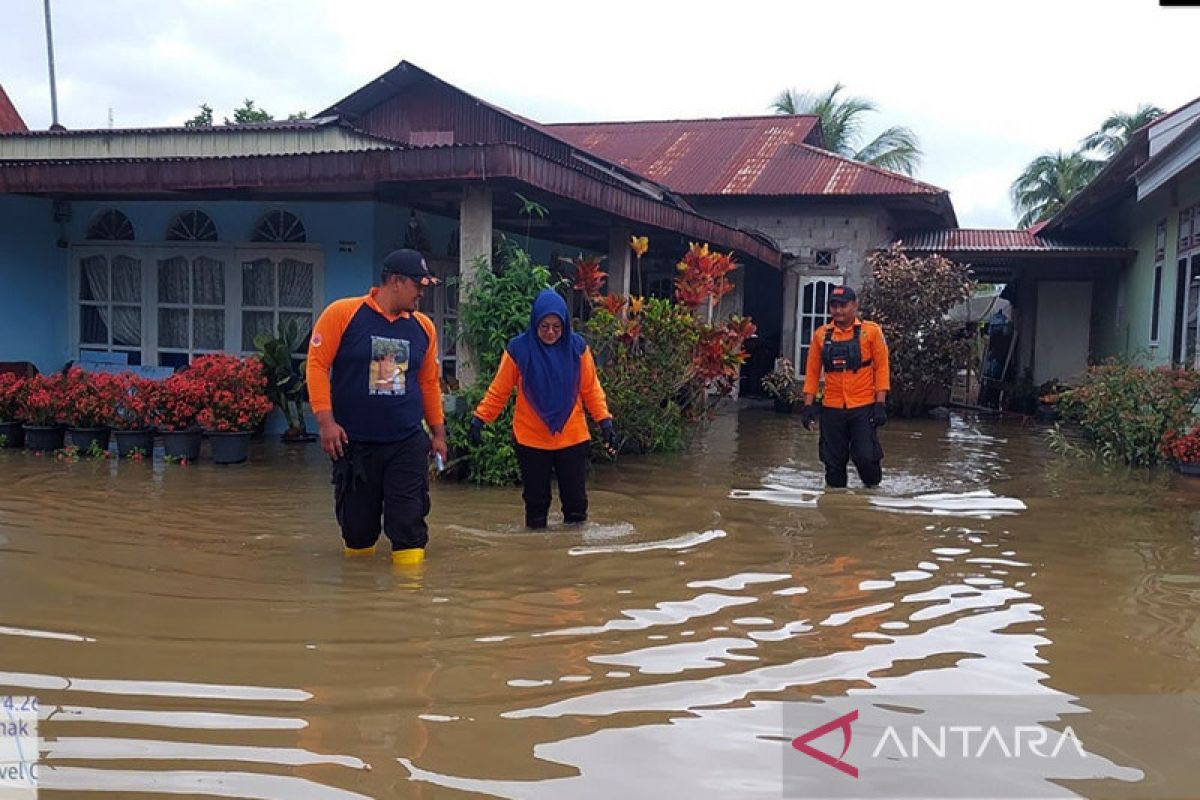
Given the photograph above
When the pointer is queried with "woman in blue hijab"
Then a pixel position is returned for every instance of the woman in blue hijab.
(554, 374)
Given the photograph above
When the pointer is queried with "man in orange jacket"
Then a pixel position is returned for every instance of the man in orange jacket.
(373, 379)
(854, 356)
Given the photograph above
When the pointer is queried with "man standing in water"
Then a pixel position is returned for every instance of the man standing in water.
(854, 356)
(373, 375)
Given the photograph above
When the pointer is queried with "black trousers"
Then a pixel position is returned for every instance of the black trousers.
(388, 481)
(847, 433)
(569, 465)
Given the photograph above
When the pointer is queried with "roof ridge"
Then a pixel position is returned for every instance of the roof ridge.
(878, 170)
(681, 119)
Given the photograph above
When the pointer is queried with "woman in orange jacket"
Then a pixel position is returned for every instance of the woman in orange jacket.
(554, 374)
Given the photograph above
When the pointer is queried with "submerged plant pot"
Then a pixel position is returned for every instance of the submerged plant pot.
(1188, 468)
(129, 441)
(13, 433)
(231, 447)
(181, 445)
(43, 437)
(83, 439)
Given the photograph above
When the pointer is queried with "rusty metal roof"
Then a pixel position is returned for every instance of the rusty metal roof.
(10, 120)
(766, 156)
(984, 240)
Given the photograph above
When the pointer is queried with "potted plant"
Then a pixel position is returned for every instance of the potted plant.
(133, 420)
(12, 394)
(285, 378)
(179, 399)
(90, 401)
(42, 410)
(1183, 450)
(782, 386)
(235, 403)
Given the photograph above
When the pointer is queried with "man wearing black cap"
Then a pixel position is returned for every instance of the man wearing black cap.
(854, 357)
(373, 376)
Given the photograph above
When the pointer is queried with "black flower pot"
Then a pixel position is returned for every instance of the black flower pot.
(128, 441)
(13, 433)
(1191, 468)
(43, 438)
(783, 406)
(230, 448)
(181, 445)
(84, 439)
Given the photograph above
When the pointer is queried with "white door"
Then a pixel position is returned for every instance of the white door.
(812, 311)
(1063, 332)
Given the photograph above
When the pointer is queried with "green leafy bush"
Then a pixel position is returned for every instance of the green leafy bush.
(644, 364)
(1127, 410)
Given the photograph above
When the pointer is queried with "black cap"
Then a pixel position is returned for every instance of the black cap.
(409, 263)
(842, 294)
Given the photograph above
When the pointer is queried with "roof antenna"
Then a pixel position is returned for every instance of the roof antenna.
(54, 126)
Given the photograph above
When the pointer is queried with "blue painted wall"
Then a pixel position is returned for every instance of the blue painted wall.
(33, 284)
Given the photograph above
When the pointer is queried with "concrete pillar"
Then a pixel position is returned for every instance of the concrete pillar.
(474, 241)
(791, 296)
(619, 264)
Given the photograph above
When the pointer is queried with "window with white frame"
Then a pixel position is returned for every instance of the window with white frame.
(110, 305)
(191, 308)
(163, 303)
(812, 312)
(1160, 256)
(277, 289)
(441, 304)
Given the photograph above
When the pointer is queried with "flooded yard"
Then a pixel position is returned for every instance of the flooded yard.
(196, 631)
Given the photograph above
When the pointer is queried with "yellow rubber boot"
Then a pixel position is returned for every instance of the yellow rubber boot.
(355, 552)
(409, 557)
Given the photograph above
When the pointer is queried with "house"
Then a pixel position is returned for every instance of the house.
(769, 175)
(10, 120)
(158, 244)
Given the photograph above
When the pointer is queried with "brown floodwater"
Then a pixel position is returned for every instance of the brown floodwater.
(195, 631)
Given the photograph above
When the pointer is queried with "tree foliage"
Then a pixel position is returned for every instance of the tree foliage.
(1114, 133)
(1049, 182)
(910, 298)
(842, 120)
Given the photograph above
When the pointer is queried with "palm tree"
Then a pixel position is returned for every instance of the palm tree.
(1115, 131)
(896, 149)
(1049, 182)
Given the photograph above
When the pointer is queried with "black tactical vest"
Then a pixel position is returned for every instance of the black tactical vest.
(843, 356)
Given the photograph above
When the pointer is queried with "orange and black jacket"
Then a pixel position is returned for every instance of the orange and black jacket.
(528, 428)
(377, 373)
(850, 389)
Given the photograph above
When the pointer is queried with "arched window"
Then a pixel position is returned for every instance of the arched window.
(279, 226)
(191, 226)
(110, 225)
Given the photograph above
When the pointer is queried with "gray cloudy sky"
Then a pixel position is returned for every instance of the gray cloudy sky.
(986, 86)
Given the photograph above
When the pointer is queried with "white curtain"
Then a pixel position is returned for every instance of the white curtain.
(124, 321)
(258, 283)
(295, 284)
(208, 289)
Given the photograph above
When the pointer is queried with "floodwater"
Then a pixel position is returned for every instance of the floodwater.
(195, 631)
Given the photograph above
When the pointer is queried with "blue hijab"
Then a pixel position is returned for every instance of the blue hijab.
(549, 373)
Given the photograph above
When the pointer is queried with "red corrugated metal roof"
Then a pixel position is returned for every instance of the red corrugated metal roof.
(773, 155)
(10, 120)
(994, 240)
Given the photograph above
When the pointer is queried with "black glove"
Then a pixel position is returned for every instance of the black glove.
(475, 434)
(808, 416)
(879, 415)
(609, 435)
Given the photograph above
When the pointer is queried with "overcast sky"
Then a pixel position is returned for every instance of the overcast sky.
(986, 86)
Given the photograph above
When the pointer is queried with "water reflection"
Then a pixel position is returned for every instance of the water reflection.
(193, 631)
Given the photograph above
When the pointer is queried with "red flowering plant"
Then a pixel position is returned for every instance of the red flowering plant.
(13, 389)
(137, 402)
(44, 402)
(177, 403)
(589, 278)
(1182, 448)
(236, 398)
(90, 399)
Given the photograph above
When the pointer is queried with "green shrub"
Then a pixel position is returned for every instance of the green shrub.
(644, 364)
(1126, 410)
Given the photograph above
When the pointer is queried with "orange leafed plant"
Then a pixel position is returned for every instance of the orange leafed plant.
(639, 245)
(701, 276)
(589, 278)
